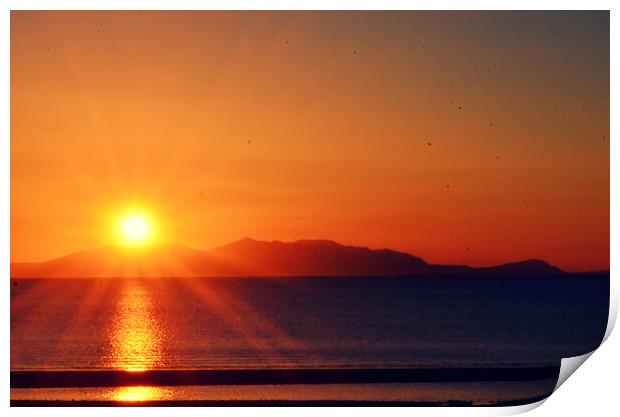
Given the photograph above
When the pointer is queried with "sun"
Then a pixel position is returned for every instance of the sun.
(135, 229)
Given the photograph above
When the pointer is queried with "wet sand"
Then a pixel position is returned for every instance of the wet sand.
(114, 378)
(272, 403)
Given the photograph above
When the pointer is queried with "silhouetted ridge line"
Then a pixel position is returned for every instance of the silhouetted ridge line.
(250, 257)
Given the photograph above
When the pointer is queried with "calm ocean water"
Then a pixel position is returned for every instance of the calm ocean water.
(208, 323)
(138, 324)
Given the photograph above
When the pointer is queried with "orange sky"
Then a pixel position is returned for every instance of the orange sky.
(113, 109)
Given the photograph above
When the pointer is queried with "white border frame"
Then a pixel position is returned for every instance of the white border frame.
(593, 391)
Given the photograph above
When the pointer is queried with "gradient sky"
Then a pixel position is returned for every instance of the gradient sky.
(315, 125)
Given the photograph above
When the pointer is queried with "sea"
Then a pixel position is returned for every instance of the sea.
(140, 324)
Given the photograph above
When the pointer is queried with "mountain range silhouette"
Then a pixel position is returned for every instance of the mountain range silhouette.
(250, 257)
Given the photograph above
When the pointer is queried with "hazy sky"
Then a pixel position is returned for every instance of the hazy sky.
(315, 125)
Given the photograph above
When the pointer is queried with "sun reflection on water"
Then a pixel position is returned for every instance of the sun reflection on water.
(134, 394)
(135, 336)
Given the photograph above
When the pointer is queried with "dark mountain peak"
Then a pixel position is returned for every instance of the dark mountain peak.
(531, 263)
(248, 242)
(312, 257)
(318, 243)
(526, 267)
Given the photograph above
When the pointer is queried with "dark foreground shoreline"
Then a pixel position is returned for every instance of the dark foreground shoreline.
(271, 403)
(116, 378)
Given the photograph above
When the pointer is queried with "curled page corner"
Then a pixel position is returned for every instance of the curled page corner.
(520, 409)
(613, 312)
(569, 366)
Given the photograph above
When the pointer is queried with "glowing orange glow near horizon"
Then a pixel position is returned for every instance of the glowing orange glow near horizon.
(466, 138)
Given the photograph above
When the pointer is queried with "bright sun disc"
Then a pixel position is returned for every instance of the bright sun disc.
(135, 229)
